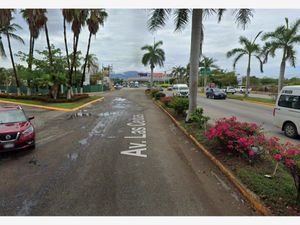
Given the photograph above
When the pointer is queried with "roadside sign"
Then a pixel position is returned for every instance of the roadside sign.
(205, 71)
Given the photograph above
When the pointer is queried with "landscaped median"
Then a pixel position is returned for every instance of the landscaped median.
(266, 172)
(255, 100)
(262, 101)
(59, 106)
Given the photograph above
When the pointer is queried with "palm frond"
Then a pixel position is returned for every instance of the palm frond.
(295, 27)
(261, 64)
(244, 41)
(235, 51)
(2, 50)
(243, 16)
(220, 13)
(158, 18)
(181, 18)
(291, 56)
(16, 37)
(259, 33)
(237, 59)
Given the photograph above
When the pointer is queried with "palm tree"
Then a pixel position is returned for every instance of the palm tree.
(9, 30)
(250, 49)
(79, 19)
(35, 19)
(207, 63)
(178, 73)
(96, 19)
(182, 17)
(283, 38)
(92, 63)
(154, 56)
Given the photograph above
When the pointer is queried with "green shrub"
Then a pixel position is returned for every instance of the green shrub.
(180, 105)
(166, 100)
(147, 91)
(158, 95)
(198, 117)
(165, 85)
(153, 92)
(45, 98)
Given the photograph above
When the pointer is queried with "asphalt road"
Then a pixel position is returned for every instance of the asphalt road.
(126, 158)
(244, 111)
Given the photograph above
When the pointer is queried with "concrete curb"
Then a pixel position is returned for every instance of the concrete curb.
(53, 108)
(249, 195)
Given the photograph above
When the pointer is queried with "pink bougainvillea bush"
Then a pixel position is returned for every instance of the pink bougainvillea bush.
(289, 155)
(242, 138)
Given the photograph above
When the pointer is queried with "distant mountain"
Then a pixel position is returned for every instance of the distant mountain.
(125, 75)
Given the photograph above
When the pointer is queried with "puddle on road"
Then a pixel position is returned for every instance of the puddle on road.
(120, 103)
(26, 208)
(34, 161)
(83, 141)
(72, 156)
(80, 113)
(107, 114)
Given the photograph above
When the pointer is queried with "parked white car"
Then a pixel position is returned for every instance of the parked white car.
(229, 89)
(287, 111)
(242, 89)
(181, 90)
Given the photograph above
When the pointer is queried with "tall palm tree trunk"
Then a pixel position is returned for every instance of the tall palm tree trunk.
(75, 43)
(13, 65)
(54, 89)
(31, 46)
(49, 47)
(151, 76)
(85, 63)
(194, 59)
(66, 44)
(281, 73)
(248, 77)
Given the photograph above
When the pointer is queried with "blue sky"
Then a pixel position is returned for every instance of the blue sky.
(125, 32)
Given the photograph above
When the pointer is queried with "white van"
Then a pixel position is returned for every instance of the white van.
(287, 111)
(181, 90)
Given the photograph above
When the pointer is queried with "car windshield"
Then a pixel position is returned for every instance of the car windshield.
(12, 116)
(183, 88)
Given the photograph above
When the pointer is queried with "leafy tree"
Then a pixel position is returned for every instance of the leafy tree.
(223, 79)
(154, 56)
(207, 64)
(249, 49)
(182, 18)
(52, 78)
(284, 38)
(96, 19)
(179, 72)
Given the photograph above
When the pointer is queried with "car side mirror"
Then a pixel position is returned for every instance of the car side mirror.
(30, 117)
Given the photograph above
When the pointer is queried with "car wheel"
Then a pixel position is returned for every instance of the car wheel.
(290, 130)
(207, 96)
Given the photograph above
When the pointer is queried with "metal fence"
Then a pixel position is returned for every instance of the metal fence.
(42, 91)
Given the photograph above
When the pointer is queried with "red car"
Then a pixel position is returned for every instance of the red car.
(16, 129)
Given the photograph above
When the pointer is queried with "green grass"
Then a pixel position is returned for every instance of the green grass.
(277, 192)
(65, 105)
(255, 99)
